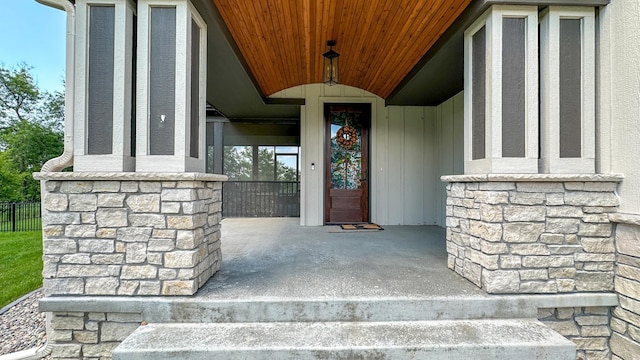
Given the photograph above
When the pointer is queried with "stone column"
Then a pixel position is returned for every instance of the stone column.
(103, 85)
(130, 233)
(532, 233)
(126, 235)
(625, 321)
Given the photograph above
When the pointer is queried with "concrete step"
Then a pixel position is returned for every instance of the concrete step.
(442, 339)
(200, 309)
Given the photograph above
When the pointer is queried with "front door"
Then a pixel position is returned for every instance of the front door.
(347, 162)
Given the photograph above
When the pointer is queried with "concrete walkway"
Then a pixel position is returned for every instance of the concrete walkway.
(277, 258)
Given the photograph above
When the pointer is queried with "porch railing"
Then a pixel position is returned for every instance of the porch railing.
(24, 216)
(261, 199)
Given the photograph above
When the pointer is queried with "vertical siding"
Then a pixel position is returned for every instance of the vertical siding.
(430, 175)
(458, 133)
(450, 145)
(379, 172)
(440, 154)
(411, 147)
(414, 152)
(395, 166)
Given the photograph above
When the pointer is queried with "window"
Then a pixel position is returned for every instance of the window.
(262, 163)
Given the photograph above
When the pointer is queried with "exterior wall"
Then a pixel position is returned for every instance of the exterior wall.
(80, 335)
(587, 327)
(123, 234)
(405, 147)
(449, 132)
(411, 147)
(619, 98)
(625, 322)
(135, 234)
(532, 233)
(618, 140)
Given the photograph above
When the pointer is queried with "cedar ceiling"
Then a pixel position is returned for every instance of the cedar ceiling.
(379, 42)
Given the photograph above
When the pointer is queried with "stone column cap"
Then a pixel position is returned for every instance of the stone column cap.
(128, 176)
(625, 218)
(533, 178)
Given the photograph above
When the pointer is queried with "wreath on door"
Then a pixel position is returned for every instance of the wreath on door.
(347, 137)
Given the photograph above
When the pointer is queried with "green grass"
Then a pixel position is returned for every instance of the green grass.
(20, 264)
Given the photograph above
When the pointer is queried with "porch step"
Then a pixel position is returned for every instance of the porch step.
(439, 339)
(203, 309)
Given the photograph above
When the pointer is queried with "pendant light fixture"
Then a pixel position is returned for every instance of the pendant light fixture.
(330, 69)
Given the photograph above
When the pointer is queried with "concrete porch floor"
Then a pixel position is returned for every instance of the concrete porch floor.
(292, 292)
(275, 270)
(277, 258)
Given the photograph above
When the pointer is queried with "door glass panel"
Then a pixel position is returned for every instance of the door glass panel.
(346, 148)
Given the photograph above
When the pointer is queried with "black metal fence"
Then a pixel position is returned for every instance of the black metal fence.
(25, 216)
(261, 199)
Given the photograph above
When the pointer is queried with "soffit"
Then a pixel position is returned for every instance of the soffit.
(380, 42)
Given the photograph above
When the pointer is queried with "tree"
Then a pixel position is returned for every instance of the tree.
(10, 181)
(238, 165)
(19, 96)
(30, 132)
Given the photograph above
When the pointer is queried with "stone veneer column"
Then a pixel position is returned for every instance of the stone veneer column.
(130, 233)
(625, 321)
(587, 327)
(532, 233)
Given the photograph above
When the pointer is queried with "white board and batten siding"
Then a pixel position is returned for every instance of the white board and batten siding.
(411, 147)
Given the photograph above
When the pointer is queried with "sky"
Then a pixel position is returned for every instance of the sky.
(34, 34)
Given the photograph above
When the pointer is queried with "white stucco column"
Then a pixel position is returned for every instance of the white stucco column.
(103, 85)
(501, 91)
(170, 87)
(567, 90)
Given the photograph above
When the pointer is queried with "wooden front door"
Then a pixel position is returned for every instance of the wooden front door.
(347, 162)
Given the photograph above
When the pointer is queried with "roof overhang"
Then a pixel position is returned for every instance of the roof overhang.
(239, 91)
(440, 73)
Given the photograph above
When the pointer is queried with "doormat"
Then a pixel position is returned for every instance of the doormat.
(351, 228)
(361, 227)
(346, 228)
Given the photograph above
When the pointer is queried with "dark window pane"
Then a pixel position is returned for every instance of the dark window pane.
(195, 90)
(100, 82)
(513, 87)
(570, 88)
(478, 83)
(162, 74)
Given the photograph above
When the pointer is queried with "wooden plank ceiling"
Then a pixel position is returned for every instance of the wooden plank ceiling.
(379, 41)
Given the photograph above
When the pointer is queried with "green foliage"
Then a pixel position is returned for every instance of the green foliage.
(21, 265)
(29, 146)
(238, 165)
(30, 132)
(10, 184)
(18, 94)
